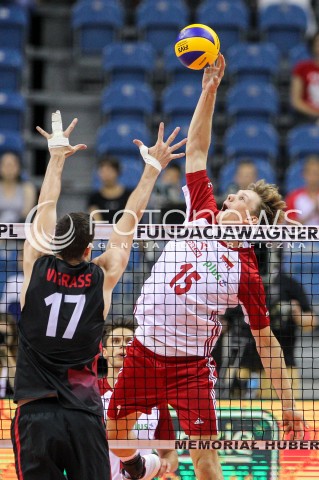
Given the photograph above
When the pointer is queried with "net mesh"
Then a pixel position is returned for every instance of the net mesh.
(247, 407)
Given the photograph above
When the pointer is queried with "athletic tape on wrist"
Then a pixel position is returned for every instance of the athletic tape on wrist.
(58, 139)
(149, 159)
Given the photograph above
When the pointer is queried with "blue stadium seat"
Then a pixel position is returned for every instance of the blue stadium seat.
(131, 171)
(11, 141)
(298, 54)
(12, 108)
(176, 70)
(294, 176)
(95, 24)
(161, 21)
(303, 140)
(128, 61)
(132, 100)
(117, 137)
(252, 100)
(11, 65)
(249, 139)
(229, 19)
(179, 101)
(253, 61)
(13, 27)
(284, 25)
(228, 171)
(184, 125)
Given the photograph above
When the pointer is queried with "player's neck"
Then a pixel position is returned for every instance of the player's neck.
(112, 374)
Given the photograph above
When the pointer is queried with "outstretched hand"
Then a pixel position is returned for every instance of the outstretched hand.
(163, 151)
(213, 75)
(67, 150)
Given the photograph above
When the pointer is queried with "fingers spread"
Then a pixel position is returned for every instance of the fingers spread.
(43, 132)
(178, 145)
(160, 135)
(173, 135)
(80, 146)
(138, 143)
(70, 127)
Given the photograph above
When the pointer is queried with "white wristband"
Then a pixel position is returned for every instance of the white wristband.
(58, 139)
(149, 159)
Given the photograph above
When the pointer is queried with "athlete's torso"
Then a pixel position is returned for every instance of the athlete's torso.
(60, 334)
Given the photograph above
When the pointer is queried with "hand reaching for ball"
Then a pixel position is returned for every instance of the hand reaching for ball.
(213, 75)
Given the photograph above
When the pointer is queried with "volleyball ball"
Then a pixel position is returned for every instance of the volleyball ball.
(197, 46)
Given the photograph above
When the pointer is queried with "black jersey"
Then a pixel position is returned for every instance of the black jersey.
(60, 333)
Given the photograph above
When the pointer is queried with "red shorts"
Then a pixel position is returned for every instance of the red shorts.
(186, 383)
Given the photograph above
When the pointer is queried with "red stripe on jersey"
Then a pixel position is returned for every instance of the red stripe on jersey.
(251, 291)
(227, 261)
(203, 203)
(18, 443)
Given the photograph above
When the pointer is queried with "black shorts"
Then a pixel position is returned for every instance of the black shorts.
(49, 440)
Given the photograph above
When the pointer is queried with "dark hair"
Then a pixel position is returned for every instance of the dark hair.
(117, 322)
(83, 234)
(111, 161)
(174, 165)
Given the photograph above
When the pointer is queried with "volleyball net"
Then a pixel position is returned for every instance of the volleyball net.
(249, 413)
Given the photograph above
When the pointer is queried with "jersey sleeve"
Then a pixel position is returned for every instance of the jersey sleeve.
(199, 197)
(251, 295)
(165, 428)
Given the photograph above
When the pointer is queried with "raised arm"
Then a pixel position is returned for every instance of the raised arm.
(117, 254)
(200, 129)
(272, 358)
(42, 229)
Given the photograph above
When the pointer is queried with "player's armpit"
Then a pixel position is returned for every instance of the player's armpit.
(113, 263)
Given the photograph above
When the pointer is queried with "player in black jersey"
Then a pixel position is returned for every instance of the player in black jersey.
(59, 424)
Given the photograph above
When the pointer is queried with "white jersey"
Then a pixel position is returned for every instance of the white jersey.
(146, 428)
(195, 281)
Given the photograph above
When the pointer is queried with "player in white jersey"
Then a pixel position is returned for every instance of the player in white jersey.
(177, 312)
(158, 424)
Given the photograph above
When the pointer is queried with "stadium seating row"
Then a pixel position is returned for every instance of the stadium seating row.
(97, 22)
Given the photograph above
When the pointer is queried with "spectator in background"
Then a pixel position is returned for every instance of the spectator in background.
(10, 298)
(17, 196)
(158, 424)
(290, 313)
(306, 199)
(305, 84)
(245, 174)
(112, 196)
(167, 195)
(8, 354)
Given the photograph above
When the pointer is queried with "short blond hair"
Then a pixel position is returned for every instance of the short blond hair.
(271, 203)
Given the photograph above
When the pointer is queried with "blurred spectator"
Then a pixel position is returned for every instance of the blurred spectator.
(305, 84)
(8, 354)
(290, 312)
(304, 4)
(246, 173)
(167, 195)
(112, 196)
(306, 199)
(10, 298)
(17, 196)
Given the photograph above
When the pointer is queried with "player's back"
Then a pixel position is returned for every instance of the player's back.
(60, 333)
